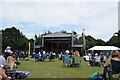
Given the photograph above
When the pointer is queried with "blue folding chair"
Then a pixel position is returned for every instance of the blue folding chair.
(66, 60)
(60, 56)
(52, 57)
(43, 57)
(37, 57)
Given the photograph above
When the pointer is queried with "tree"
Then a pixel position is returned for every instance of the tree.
(118, 33)
(114, 41)
(14, 38)
(90, 41)
(63, 31)
(38, 40)
(100, 42)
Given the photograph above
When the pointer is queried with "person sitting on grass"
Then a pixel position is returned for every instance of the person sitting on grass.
(7, 52)
(37, 57)
(86, 58)
(97, 60)
(75, 59)
(3, 76)
(10, 62)
(51, 56)
(66, 58)
(2, 60)
(43, 57)
(114, 56)
(10, 67)
(92, 60)
(15, 56)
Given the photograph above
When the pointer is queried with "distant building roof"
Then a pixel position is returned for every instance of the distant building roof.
(58, 34)
(104, 48)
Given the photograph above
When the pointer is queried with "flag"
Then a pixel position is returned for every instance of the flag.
(29, 49)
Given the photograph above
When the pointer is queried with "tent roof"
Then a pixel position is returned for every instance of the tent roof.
(104, 48)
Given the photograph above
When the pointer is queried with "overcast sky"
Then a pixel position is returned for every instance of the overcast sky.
(99, 18)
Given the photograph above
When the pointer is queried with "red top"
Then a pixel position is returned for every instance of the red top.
(118, 55)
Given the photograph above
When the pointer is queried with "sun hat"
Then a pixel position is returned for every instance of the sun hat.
(8, 47)
(67, 52)
(96, 54)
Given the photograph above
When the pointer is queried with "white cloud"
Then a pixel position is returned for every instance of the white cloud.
(97, 18)
(59, 0)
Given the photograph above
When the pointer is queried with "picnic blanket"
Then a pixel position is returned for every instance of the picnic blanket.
(24, 72)
(21, 74)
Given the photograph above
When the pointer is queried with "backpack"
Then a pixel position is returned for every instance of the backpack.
(20, 75)
(95, 76)
(17, 63)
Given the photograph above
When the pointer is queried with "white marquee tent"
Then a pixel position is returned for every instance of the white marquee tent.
(104, 48)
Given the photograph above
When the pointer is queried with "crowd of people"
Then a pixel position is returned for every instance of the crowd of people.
(97, 59)
(66, 56)
(6, 62)
(69, 59)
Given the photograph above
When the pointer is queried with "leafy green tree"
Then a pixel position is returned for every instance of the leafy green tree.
(14, 38)
(38, 39)
(100, 42)
(118, 33)
(114, 41)
(90, 41)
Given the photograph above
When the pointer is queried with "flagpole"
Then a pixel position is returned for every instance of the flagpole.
(84, 42)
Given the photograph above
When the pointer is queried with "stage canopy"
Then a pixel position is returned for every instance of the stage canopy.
(104, 48)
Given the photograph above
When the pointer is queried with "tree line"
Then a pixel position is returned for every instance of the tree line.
(14, 38)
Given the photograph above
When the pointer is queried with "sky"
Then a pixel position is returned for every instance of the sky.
(99, 18)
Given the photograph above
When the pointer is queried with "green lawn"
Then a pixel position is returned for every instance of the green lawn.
(56, 69)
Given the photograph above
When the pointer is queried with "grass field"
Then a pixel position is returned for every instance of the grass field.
(56, 69)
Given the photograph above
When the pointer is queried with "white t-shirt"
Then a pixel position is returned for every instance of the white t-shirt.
(87, 58)
(2, 61)
(9, 51)
(97, 58)
(104, 58)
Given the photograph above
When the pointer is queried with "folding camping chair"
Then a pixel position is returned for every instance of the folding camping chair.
(52, 57)
(9, 72)
(60, 56)
(43, 57)
(66, 60)
(114, 70)
(76, 61)
(37, 57)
